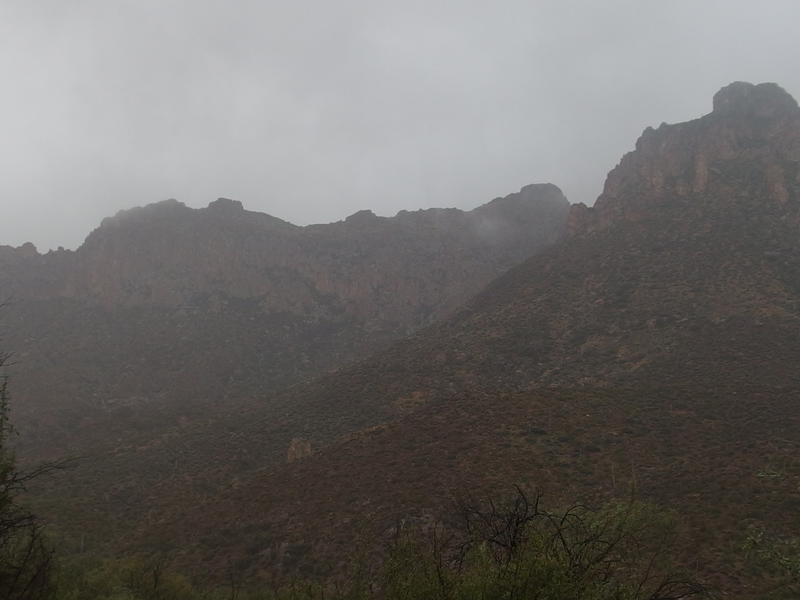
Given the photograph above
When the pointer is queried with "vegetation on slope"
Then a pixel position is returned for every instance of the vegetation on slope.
(25, 560)
(488, 551)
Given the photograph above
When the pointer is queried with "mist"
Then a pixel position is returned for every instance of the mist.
(312, 111)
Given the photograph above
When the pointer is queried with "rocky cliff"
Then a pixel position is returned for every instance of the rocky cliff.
(746, 145)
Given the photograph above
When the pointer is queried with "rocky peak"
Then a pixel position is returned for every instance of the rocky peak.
(140, 214)
(26, 250)
(742, 99)
(361, 217)
(536, 194)
(750, 143)
(225, 206)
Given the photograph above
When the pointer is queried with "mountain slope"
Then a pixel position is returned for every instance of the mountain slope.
(625, 299)
(655, 348)
(166, 314)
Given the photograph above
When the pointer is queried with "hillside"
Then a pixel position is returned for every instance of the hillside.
(167, 314)
(656, 348)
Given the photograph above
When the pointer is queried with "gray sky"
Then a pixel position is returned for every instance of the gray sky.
(312, 110)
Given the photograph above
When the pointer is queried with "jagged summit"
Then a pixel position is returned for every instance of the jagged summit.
(743, 99)
(361, 216)
(226, 205)
(25, 250)
(138, 214)
(750, 143)
(405, 269)
(535, 194)
(531, 198)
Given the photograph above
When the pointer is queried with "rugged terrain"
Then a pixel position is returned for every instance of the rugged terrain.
(166, 313)
(654, 350)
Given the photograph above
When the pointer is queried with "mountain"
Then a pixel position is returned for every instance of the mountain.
(653, 350)
(167, 314)
(389, 273)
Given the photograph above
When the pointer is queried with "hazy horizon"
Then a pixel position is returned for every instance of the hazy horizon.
(310, 113)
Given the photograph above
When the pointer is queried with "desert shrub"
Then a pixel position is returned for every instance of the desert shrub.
(520, 550)
(132, 578)
(484, 551)
(778, 559)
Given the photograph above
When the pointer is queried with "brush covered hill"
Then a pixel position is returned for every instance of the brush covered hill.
(167, 314)
(655, 349)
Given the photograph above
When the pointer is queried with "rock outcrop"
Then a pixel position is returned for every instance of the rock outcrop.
(748, 144)
(299, 448)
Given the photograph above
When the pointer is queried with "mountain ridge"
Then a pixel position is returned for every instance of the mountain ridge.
(652, 350)
(664, 331)
(169, 309)
(168, 254)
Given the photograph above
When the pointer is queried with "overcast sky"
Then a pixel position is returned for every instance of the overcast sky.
(312, 110)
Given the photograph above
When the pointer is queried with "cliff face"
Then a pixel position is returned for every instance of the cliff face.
(747, 146)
